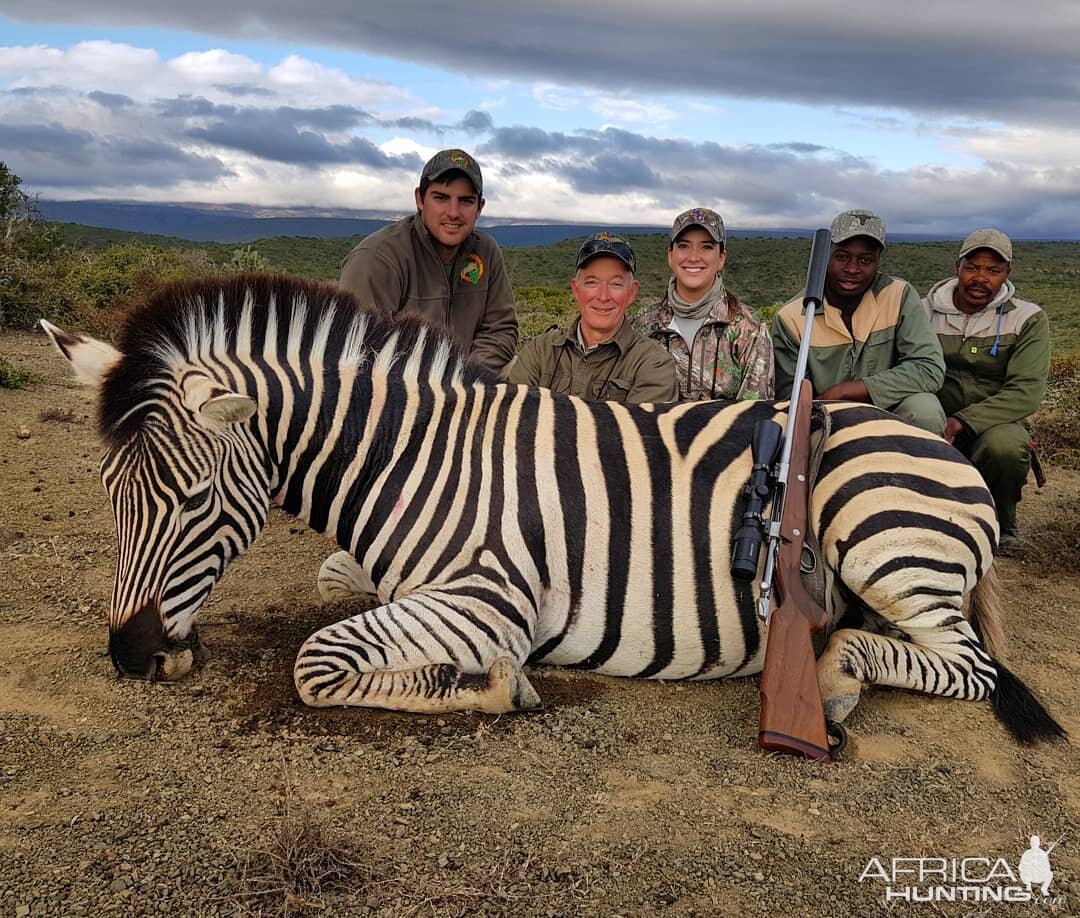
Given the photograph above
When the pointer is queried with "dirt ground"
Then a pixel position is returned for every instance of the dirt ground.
(222, 795)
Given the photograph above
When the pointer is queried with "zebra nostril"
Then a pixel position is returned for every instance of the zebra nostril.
(159, 671)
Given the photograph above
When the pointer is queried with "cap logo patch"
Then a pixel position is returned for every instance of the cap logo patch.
(473, 269)
(459, 159)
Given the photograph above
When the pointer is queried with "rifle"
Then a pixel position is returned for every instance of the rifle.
(792, 716)
(1036, 465)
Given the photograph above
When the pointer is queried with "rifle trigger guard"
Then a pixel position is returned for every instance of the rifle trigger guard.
(808, 563)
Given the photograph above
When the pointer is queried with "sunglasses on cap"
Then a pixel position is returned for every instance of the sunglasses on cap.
(606, 244)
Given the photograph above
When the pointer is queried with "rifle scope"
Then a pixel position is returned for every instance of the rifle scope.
(746, 547)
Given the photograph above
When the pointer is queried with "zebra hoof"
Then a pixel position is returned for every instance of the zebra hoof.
(507, 680)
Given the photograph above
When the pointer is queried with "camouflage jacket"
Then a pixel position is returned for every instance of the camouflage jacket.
(732, 362)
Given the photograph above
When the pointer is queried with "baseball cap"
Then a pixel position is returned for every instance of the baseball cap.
(708, 220)
(852, 223)
(607, 244)
(446, 160)
(992, 239)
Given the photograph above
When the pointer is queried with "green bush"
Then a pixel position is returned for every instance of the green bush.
(11, 377)
(539, 308)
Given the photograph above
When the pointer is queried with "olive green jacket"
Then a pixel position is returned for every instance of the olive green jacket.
(893, 350)
(626, 368)
(398, 268)
(997, 360)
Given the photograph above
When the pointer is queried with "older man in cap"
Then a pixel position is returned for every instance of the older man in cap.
(997, 360)
(599, 355)
(721, 348)
(871, 341)
(437, 264)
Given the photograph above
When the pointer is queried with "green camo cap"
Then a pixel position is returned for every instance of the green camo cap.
(607, 244)
(446, 160)
(852, 223)
(992, 239)
(708, 220)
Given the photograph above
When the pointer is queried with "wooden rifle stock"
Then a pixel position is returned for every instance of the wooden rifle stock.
(792, 717)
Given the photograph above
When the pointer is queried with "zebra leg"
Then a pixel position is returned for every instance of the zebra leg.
(946, 661)
(427, 653)
(342, 577)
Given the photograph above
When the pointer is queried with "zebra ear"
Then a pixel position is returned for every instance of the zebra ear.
(213, 405)
(89, 358)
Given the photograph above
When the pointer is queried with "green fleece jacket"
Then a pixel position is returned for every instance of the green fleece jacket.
(997, 360)
(893, 351)
(398, 269)
(628, 367)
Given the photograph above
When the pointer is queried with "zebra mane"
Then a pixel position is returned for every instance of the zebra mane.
(218, 321)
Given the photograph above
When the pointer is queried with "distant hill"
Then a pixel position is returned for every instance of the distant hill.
(238, 223)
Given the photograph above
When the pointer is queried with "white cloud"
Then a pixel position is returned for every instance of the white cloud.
(620, 109)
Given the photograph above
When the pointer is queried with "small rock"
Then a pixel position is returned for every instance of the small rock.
(21, 911)
(23, 433)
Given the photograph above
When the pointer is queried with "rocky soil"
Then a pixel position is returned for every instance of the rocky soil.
(222, 795)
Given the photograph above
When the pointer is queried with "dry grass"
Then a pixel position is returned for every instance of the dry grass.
(1052, 542)
(300, 862)
(1056, 426)
(59, 416)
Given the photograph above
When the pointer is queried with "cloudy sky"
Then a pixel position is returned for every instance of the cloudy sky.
(943, 116)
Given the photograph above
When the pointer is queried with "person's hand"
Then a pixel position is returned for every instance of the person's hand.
(953, 428)
(854, 391)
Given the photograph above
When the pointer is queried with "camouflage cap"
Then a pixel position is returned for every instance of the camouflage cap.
(708, 220)
(607, 244)
(852, 223)
(992, 239)
(446, 160)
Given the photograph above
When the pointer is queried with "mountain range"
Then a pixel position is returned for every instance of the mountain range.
(240, 223)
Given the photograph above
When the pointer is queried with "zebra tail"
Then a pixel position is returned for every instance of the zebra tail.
(1019, 711)
(985, 614)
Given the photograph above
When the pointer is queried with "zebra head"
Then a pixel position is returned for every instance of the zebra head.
(189, 492)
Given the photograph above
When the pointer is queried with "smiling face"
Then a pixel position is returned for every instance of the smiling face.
(695, 259)
(604, 288)
(449, 210)
(980, 277)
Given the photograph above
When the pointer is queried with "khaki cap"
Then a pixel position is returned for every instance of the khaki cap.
(852, 223)
(992, 239)
(708, 220)
(447, 160)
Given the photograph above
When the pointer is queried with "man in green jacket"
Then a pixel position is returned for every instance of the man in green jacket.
(435, 263)
(997, 360)
(599, 355)
(871, 341)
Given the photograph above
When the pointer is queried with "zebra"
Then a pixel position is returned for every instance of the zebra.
(499, 525)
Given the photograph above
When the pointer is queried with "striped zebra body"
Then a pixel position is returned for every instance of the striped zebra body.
(499, 524)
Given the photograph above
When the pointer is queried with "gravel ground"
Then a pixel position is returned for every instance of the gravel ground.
(222, 795)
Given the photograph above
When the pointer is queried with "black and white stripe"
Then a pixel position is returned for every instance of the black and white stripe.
(499, 524)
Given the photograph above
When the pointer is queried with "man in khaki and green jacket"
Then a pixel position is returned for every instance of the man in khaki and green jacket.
(997, 359)
(871, 341)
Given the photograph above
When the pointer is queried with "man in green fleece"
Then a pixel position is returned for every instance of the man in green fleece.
(435, 263)
(870, 339)
(599, 356)
(997, 360)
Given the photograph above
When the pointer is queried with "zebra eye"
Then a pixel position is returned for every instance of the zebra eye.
(197, 499)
